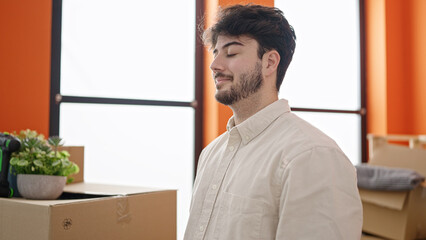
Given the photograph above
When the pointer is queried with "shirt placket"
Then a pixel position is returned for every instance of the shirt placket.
(216, 183)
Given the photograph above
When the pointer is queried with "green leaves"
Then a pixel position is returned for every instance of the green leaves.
(23, 163)
(40, 156)
(55, 141)
(38, 163)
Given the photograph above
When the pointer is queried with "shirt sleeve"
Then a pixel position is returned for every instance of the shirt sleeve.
(319, 198)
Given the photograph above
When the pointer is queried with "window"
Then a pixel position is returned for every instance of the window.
(123, 86)
(323, 82)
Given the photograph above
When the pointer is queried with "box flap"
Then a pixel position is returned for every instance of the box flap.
(45, 203)
(390, 155)
(93, 192)
(392, 200)
(104, 189)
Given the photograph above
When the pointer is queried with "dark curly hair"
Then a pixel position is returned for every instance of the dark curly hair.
(267, 25)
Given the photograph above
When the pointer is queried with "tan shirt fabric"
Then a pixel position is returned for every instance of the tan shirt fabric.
(274, 176)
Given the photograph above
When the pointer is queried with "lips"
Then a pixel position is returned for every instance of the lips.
(220, 78)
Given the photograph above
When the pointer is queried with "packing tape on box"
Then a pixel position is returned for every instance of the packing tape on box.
(123, 209)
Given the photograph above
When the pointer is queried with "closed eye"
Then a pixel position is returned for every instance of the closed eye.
(231, 55)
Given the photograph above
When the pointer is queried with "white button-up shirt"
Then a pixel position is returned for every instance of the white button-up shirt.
(274, 176)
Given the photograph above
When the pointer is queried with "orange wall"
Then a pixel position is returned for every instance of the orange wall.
(417, 25)
(396, 76)
(216, 115)
(25, 28)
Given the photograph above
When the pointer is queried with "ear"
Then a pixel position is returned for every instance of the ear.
(270, 60)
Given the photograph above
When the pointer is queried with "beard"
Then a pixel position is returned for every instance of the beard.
(250, 82)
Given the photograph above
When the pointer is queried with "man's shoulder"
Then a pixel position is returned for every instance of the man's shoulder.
(295, 135)
(299, 140)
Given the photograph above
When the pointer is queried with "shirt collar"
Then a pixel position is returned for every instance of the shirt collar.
(257, 123)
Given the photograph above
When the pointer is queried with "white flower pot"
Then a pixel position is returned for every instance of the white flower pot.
(41, 187)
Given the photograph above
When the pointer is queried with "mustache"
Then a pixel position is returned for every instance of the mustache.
(222, 75)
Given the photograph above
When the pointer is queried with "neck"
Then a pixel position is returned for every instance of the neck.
(249, 106)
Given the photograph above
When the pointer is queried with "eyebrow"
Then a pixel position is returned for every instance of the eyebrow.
(227, 45)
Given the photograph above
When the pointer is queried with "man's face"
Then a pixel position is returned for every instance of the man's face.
(237, 69)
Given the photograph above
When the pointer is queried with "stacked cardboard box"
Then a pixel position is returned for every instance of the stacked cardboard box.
(396, 215)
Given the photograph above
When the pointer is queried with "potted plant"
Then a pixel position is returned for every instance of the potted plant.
(41, 168)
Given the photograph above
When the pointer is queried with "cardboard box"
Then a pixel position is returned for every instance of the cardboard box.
(87, 211)
(396, 215)
(92, 211)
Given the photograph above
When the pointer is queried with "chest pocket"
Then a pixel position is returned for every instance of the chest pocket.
(244, 218)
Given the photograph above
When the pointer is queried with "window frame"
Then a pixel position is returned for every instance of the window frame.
(55, 83)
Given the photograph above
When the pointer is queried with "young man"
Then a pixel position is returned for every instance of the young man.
(271, 175)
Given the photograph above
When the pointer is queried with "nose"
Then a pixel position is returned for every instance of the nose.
(217, 64)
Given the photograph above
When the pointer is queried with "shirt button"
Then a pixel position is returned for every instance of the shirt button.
(231, 148)
(214, 186)
(201, 228)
